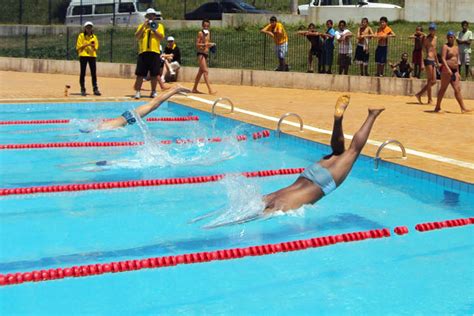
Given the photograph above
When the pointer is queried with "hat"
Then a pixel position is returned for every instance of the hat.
(88, 23)
(432, 26)
(450, 33)
(151, 11)
(170, 38)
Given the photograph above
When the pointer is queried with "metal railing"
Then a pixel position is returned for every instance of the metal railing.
(283, 117)
(219, 100)
(379, 150)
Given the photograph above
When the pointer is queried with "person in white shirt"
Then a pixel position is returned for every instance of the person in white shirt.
(464, 39)
(343, 37)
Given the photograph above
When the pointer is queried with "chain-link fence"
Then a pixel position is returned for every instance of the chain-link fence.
(245, 48)
(54, 11)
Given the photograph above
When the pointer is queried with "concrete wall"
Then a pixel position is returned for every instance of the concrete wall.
(439, 10)
(322, 14)
(236, 20)
(388, 86)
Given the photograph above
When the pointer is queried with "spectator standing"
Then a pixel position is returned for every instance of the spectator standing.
(314, 38)
(343, 37)
(203, 45)
(417, 55)
(149, 34)
(430, 63)
(171, 59)
(277, 31)
(402, 69)
(383, 33)
(464, 39)
(328, 47)
(450, 73)
(87, 45)
(364, 34)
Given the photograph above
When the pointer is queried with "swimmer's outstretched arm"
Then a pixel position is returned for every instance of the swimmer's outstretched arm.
(144, 110)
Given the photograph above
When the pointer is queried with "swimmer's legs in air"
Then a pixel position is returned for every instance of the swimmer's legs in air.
(142, 110)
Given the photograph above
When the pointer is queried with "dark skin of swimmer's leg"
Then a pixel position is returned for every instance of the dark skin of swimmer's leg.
(303, 191)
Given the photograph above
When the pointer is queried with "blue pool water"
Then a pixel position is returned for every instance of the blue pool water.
(427, 273)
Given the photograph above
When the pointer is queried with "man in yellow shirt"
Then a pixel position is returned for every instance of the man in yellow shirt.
(276, 30)
(87, 45)
(149, 34)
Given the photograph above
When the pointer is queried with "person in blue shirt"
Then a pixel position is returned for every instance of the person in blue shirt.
(328, 47)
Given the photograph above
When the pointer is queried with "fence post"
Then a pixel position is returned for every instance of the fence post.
(264, 51)
(49, 13)
(26, 41)
(20, 13)
(184, 8)
(67, 43)
(81, 12)
(111, 43)
(113, 16)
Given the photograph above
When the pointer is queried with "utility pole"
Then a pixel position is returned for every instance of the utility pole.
(294, 6)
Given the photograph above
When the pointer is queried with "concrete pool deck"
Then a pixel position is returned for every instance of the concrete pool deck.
(437, 143)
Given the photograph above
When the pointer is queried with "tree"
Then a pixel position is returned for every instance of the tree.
(294, 6)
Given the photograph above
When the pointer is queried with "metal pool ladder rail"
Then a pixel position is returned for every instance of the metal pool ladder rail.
(391, 141)
(284, 116)
(222, 99)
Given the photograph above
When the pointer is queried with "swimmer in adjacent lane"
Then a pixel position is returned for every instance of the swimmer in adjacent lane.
(130, 117)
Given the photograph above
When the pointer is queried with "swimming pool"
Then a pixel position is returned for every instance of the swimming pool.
(418, 272)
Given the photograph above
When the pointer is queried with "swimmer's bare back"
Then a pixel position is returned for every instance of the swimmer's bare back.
(339, 163)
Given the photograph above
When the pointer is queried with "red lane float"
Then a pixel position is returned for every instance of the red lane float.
(117, 144)
(401, 230)
(139, 183)
(67, 121)
(191, 258)
(424, 227)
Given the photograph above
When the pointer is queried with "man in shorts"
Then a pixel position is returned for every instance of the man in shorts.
(364, 34)
(149, 34)
(383, 33)
(328, 47)
(464, 39)
(343, 37)
(277, 31)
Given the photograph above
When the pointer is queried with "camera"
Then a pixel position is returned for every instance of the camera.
(153, 24)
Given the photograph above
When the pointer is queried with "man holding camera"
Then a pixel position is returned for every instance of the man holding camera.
(149, 34)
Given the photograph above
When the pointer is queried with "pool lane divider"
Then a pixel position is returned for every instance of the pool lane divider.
(191, 258)
(67, 121)
(140, 183)
(217, 255)
(256, 136)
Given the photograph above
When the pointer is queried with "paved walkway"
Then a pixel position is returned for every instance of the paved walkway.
(440, 143)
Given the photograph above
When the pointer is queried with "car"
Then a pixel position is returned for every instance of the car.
(304, 9)
(103, 12)
(214, 10)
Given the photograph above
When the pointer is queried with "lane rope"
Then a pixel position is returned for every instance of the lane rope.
(140, 183)
(243, 137)
(67, 121)
(191, 258)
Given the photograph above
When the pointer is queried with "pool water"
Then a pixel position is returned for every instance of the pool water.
(429, 273)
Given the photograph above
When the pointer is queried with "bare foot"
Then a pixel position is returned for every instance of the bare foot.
(341, 105)
(436, 110)
(418, 97)
(466, 111)
(376, 112)
(196, 91)
(430, 101)
(165, 87)
(212, 92)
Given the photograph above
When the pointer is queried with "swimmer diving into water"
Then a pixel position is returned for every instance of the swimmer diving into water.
(129, 117)
(319, 179)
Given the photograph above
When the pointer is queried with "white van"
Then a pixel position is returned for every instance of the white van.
(103, 12)
(304, 9)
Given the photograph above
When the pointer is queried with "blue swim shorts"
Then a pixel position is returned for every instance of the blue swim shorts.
(321, 177)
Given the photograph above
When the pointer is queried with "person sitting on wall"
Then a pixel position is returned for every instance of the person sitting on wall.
(403, 68)
(172, 61)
